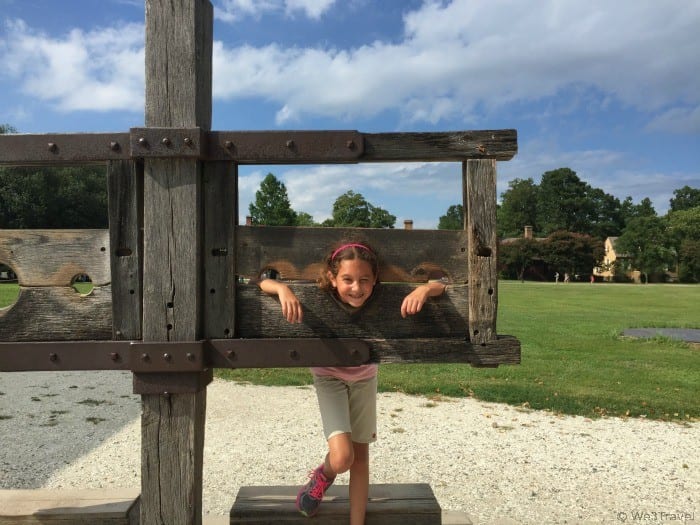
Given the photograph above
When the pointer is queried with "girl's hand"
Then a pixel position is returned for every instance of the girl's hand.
(291, 307)
(413, 302)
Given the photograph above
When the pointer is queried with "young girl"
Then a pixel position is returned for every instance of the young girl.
(346, 395)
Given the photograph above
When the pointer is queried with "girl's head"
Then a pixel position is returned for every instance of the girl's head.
(351, 272)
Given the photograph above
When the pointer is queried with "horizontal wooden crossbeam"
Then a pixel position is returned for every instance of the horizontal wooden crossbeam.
(256, 147)
(195, 356)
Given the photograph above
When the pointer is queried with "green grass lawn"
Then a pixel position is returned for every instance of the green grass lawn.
(574, 360)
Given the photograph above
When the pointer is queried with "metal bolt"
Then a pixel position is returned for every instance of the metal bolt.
(231, 354)
(114, 146)
(143, 142)
(145, 357)
(187, 141)
(165, 141)
(290, 144)
(53, 148)
(350, 144)
(114, 356)
(190, 356)
(53, 357)
(167, 357)
(228, 144)
(294, 354)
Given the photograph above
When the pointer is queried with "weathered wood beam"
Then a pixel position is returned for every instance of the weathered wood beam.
(256, 147)
(405, 255)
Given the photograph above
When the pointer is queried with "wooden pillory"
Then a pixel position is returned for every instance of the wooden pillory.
(169, 302)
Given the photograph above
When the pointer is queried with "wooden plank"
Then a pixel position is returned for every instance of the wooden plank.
(69, 506)
(179, 39)
(220, 191)
(125, 190)
(444, 146)
(405, 255)
(379, 318)
(56, 257)
(388, 504)
(58, 313)
(479, 183)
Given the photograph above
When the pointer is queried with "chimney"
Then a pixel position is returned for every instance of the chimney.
(248, 220)
(528, 232)
(408, 224)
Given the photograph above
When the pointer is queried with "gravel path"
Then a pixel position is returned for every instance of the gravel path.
(497, 463)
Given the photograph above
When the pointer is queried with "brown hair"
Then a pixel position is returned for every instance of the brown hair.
(347, 250)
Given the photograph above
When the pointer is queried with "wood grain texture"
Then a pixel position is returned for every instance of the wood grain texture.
(480, 207)
(405, 256)
(64, 506)
(443, 146)
(56, 257)
(388, 504)
(125, 198)
(58, 313)
(219, 257)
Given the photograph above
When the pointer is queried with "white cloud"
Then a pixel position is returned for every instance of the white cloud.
(99, 70)
(235, 10)
(459, 56)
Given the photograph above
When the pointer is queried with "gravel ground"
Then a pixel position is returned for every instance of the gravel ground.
(498, 464)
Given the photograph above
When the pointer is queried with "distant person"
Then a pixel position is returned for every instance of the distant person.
(592, 278)
(556, 277)
(566, 277)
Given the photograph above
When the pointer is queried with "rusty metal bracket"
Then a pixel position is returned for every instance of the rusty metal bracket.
(64, 355)
(174, 356)
(292, 352)
(286, 147)
(167, 142)
(63, 148)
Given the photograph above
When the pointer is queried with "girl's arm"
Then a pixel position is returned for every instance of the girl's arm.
(291, 307)
(413, 302)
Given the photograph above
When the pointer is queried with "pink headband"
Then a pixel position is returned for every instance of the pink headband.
(351, 245)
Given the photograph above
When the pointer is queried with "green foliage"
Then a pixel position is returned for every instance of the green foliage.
(647, 245)
(574, 360)
(304, 219)
(515, 257)
(571, 252)
(7, 129)
(685, 198)
(352, 210)
(518, 208)
(453, 219)
(271, 206)
(53, 197)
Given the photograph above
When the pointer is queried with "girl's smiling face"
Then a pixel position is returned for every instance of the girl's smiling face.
(354, 281)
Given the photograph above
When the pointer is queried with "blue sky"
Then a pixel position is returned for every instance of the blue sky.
(608, 89)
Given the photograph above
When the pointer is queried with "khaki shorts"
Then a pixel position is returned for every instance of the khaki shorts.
(348, 407)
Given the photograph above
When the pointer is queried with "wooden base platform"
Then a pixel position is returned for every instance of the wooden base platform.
(69, 507)
(389, 504)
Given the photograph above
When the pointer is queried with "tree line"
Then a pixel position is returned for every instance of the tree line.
(569, 217)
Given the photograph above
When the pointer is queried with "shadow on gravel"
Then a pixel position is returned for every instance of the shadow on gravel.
(689, 335)
(49, 419)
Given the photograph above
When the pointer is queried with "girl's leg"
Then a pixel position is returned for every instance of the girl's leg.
(359, 483)
(340, 455)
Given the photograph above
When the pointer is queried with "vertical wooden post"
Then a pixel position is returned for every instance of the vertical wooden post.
(479, 187)
(178, 94)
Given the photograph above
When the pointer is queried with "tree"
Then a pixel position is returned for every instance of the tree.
(518, 255)
(53, 197)
(647, 244)
(518, 208)
(685, 198)
(352, 210)
(453, 219)
(304, 219)
(684, 232)
(271, 206)
(571, 252)
(563, 202)
(6, 129)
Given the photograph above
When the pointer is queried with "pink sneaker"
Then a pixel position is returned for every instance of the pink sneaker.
(311, 494)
